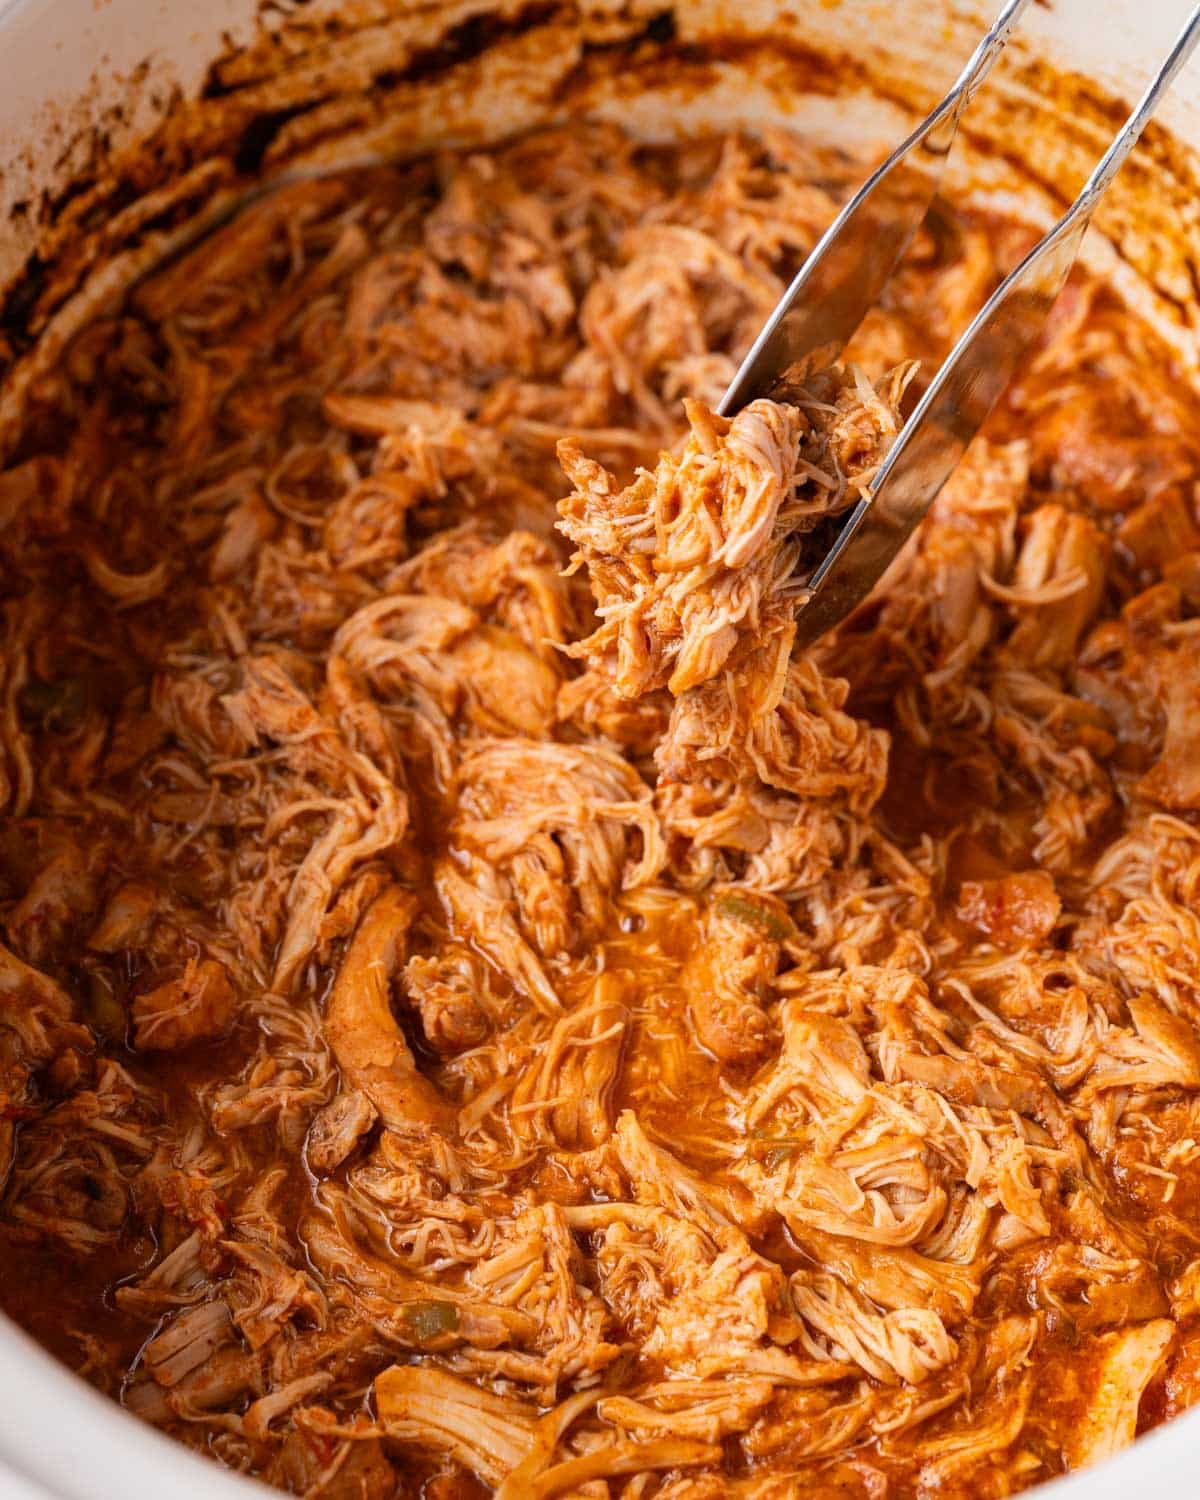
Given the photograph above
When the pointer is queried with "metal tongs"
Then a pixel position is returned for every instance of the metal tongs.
(845, 275)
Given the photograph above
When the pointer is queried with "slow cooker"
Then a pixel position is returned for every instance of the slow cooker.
(128, 127)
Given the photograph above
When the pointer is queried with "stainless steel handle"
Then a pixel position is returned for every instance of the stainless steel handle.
(850, 264)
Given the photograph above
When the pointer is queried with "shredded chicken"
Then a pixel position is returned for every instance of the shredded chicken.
(699, 555)
(479, 1012)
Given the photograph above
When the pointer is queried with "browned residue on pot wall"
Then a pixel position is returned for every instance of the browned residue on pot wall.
(309, 81)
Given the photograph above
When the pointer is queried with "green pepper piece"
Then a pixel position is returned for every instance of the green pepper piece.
(430, 1320)
(102, 1009)
(744, 909)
